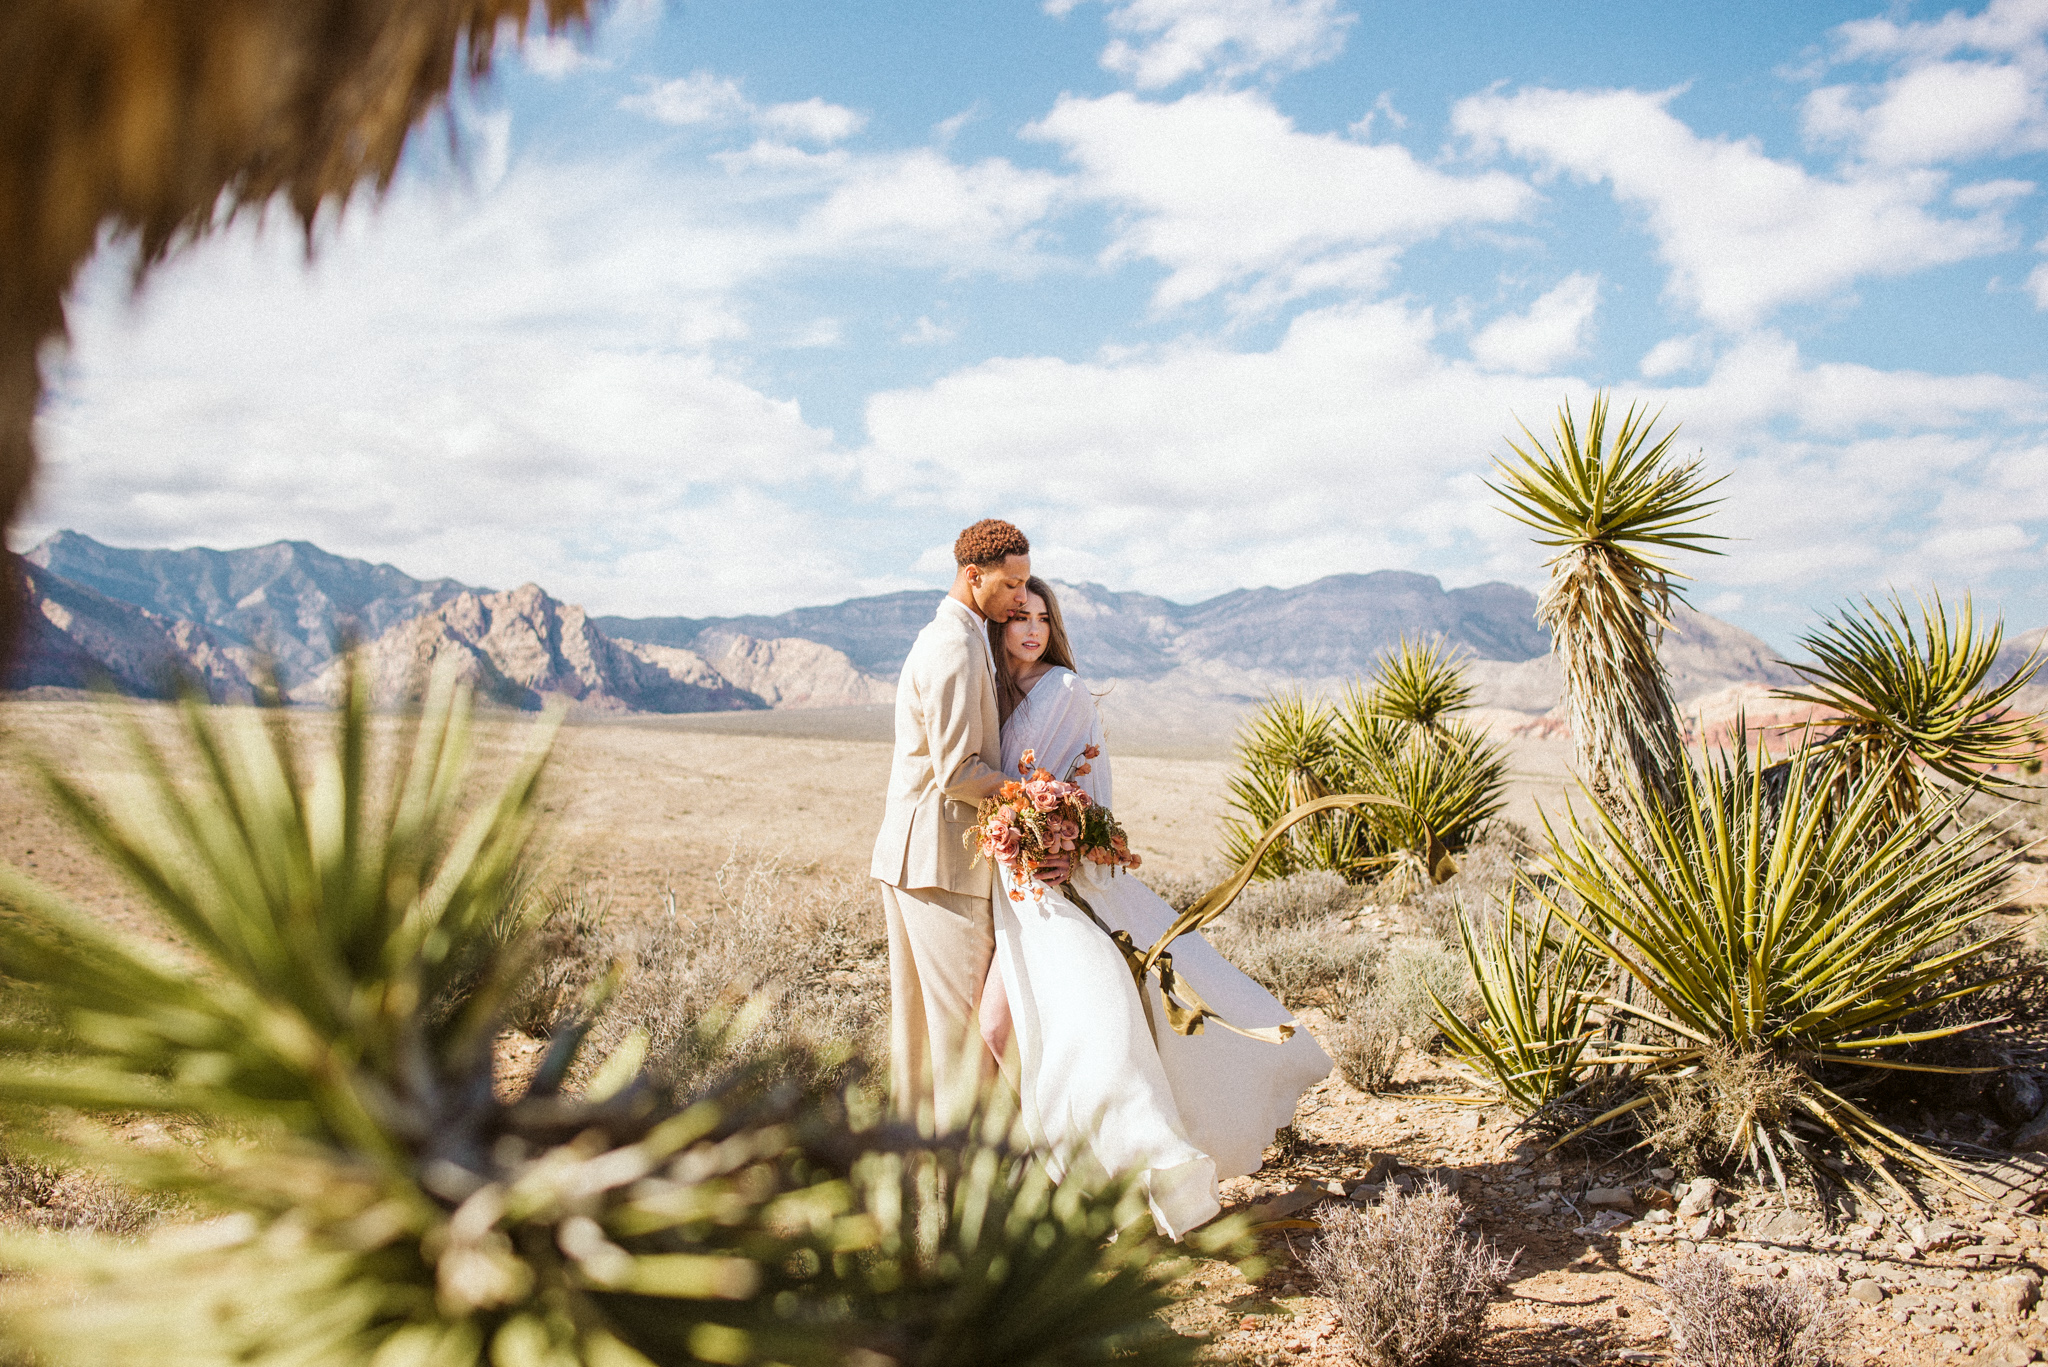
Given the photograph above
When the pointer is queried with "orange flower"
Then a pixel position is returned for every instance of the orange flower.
(1081, 769)
(1016, 896)
(1090, 753)
(1027, 762)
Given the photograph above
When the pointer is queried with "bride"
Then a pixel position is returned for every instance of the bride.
(1103, 1082)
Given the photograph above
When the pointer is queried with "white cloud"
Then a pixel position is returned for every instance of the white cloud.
(1986, 193)
(924, 332)
(1161, 42)
(511, 381)
(556, 55)
(1744, 234)
(812, 120)
(1553, 329)
(702, 97)
(706, 99)
(1355, 442)
(922, 204)
(1963, 86)
(819, 332)
(1673, 355)
(1224, 191)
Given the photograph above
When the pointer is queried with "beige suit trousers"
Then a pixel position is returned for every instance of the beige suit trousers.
(940, 945)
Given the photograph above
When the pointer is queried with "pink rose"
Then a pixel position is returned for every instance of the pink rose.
(1082, 802)
(1044, 794)
(1003, 844)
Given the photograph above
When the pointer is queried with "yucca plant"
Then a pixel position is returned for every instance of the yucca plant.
(1450, 777)
(1905, 702)
(1538, 984)
(330, 1017)
(1800, 927)
(1286, 757)
(1420, 683)
(1616, 509)
(1390, 737)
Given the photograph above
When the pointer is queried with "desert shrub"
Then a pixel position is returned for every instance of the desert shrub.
(1701, 1119)
(1413, 977)
(38, 1195)
(569, 949)
(808, 952)
(1366, 1045)
(1807, 918)
(1301, 965)
(1408, 1287)
(1717, 1321)
(1313, 898)
(1391, 738)
(1912, 707)
(1487, 868)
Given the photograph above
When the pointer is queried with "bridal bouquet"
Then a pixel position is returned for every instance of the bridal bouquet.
(1036, 817)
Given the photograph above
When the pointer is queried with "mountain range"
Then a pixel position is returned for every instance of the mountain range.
(147, 620)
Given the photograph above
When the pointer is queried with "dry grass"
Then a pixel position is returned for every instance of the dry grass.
(1701, 1122)
(1717, 1321)
(787, 967)
(1410, 1289)
(1302, 965)
(34, 1195)
(1484, 867)
(1366, 1046)
(1408, 977)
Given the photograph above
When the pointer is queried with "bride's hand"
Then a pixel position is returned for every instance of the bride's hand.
(1054, 872)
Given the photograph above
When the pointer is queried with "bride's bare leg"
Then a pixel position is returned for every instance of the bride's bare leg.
(995, 1015)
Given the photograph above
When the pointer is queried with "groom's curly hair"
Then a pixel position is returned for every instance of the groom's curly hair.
(990, 541)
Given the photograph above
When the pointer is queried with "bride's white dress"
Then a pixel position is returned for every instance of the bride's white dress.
(1103, 1083)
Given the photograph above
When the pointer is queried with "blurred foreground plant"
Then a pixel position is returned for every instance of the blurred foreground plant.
(332, 1023)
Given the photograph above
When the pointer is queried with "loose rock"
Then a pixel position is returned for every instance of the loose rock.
(2018, 1098)
(1611, 1198)
(1699, 1197)
(2007, 1352)
(2014, 1295)
(1868, 1290)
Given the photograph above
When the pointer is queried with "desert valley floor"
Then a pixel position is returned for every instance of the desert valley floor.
(654, 809)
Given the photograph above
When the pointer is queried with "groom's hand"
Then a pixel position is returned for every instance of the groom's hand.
(1054, 871)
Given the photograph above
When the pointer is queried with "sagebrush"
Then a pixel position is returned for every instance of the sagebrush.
(1718, 1321)
(1408, 1286)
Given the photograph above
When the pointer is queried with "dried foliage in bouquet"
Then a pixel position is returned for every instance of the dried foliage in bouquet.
(1036, 817)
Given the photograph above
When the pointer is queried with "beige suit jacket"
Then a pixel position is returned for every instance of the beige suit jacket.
(949, 745)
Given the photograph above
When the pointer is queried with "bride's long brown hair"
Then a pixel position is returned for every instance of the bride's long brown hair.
(1058, 649)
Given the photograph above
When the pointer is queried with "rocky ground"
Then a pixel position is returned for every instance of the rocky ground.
(1954, 1284)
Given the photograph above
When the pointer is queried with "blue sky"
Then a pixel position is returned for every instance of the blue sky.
(735, 306)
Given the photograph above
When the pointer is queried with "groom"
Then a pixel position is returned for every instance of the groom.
(935, 892)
